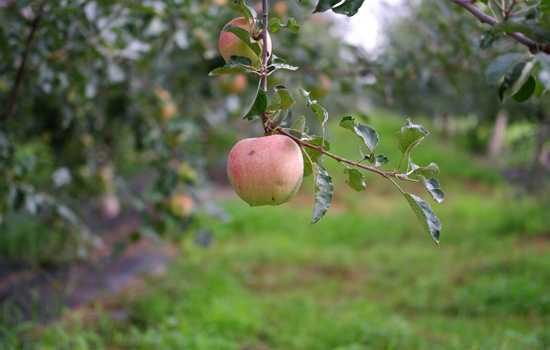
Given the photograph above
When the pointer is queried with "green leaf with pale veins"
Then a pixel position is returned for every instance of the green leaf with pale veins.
(324, 190)
(425, 214)
(434, 189)
(355, 179)
(258, 106)
(365, 132)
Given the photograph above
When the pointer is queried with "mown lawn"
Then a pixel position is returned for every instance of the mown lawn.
(365, 277)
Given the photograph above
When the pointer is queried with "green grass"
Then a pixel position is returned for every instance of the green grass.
(365, 277)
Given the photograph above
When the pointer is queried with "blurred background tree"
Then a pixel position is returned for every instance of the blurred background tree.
(108, 107)
(439, 62)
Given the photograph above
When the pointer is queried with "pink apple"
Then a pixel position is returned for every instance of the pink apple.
(266, 170)
(230, 45)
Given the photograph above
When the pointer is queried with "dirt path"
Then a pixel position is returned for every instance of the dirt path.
(42, 294)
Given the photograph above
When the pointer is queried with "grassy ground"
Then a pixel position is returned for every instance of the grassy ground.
(365, 277)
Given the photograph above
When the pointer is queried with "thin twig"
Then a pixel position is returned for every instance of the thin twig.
(265, 58)
(533, 46)
(14, 92)
(320, 149)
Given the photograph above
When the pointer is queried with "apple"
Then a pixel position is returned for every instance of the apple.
(110, 205)
(280, 8)
(169, 110)
(266, 170)
(230, 45)
(234, 84)
(181, 205)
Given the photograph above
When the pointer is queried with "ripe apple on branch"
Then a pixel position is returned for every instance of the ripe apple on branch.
(268, 170)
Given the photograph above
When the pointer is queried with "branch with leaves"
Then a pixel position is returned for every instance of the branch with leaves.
(273, 108)
(512, 29)
(528, 25)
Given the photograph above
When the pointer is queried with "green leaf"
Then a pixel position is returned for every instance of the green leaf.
(410, 136)
(430, 170)
(498, 68)
(324, 5)
(425, 214)
(368, 134)
(235, 65)
(514, 79)
(434, 189)
(526, 90)
(236, 60)
(276, 66)
(317, 141)
(293, 25)
(355, 179)
(348, 7)
(299, 123)
(308, 165)
(247, 11)
(347, 122)
(488, 39)
(282, 99)
(365, 132)
(320, 112)
(275, 24)
(233, 69)
(258, 106)
(531, 30)
(323, 192)
(380, 160)
(244, 36)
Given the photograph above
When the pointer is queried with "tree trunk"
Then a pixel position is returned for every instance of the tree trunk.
(539, 163)
(446, 125)
(539, 156)
(499, 132)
